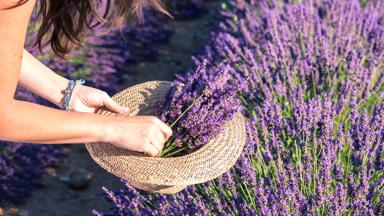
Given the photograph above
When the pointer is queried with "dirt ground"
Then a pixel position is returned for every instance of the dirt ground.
(57, 198)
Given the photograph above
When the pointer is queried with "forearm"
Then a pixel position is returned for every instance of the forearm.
(27, 122)
(41, 80)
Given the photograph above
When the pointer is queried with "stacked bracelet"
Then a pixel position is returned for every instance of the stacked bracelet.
(69, 90)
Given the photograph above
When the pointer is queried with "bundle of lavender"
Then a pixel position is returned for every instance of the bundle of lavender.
(198, 107)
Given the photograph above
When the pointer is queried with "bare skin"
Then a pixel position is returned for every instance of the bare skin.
(27, 122)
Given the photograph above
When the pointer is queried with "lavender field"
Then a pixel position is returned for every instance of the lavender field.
(309, 77)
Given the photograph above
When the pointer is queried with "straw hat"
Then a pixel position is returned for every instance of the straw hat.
(167, 175)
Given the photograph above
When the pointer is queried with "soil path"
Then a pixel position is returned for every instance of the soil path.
(57, 198)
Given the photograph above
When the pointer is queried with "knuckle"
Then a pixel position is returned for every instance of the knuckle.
(153, 126)
(146, 139)
(170, 132)
(151, 129)
(154, 120)
(105, 94)
(151, 152)
(147, 147)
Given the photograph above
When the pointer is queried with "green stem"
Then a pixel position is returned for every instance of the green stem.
(174, 152)
(185, 111)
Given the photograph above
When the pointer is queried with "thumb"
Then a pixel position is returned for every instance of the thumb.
(114, 106)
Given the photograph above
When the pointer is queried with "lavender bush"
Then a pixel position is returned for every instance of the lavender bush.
(313, 89)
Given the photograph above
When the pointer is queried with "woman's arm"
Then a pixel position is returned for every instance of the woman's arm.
(41, 80)
(28, 122)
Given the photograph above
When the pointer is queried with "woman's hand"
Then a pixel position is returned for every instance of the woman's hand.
(89, 100)
(138, 133)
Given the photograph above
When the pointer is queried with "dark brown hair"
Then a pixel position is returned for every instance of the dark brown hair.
(64, 22)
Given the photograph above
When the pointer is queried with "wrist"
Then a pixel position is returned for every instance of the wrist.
(69, 93)
(63, 86)
(99, 130)
(107, 129)
(56, 87)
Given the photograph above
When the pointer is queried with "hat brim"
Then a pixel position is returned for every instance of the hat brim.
(165, 174)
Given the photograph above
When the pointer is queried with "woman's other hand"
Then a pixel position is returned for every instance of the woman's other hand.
(137, 133)
(89, 100)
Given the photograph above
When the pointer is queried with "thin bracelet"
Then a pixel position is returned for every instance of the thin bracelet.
(68, 92)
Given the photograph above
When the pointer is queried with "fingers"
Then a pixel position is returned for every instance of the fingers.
(153, 148)
(145, 134)
(164, 128)
(159, 140)
(113, 105)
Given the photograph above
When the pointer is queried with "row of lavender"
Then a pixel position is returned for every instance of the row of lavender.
(101, 64)
(312, 86)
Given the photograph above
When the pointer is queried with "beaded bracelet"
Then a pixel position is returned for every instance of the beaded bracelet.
(69, 90)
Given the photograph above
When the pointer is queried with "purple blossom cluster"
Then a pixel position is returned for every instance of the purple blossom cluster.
(199, 106)
(313, 90)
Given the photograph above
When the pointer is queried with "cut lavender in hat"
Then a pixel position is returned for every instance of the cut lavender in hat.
(199, 107)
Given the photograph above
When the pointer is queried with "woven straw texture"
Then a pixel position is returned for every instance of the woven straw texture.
(167, 175)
